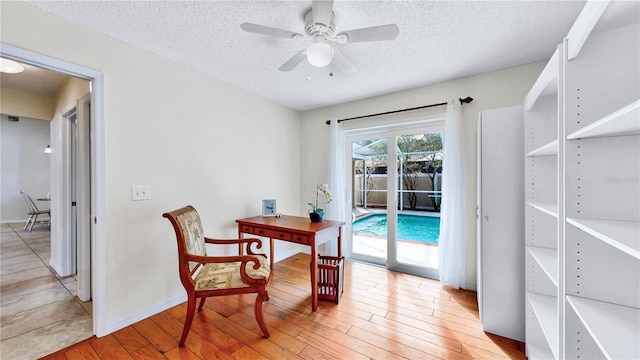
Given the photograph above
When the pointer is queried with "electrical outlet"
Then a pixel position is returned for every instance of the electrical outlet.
(140, 192)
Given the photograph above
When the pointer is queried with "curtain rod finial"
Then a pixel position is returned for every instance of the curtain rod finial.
(466, 100)
(328, 122)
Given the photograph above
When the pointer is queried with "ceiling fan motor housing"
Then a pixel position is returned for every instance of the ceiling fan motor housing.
(318, 29)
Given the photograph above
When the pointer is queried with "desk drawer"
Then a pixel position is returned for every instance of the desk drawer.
(273, 234)
(301, 239)
(246, 229)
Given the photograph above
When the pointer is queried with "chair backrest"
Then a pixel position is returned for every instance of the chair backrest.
(31, 206)
(189, 233)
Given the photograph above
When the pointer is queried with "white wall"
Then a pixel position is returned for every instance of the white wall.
(24, 166)
(491, 90)
(193, 139)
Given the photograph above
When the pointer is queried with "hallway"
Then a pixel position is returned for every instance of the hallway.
(39, 311)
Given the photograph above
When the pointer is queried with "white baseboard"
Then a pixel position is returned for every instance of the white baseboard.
(150, 311)
(281, 256)
(129, 320)
(471, 286)
(23, 221)
(56, 267)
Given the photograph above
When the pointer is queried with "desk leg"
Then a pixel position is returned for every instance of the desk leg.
(340, 241)
(314, 277)
(271, 253)
(240, 236)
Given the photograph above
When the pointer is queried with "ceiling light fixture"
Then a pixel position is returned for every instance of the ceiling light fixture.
(10, 66)
(47, 150)
(320, 54)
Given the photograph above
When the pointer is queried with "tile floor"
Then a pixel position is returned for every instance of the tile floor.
(39, 312)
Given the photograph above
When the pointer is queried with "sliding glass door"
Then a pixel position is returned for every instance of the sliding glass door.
(395, 186)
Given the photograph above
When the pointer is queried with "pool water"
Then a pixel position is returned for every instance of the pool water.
(425, 229)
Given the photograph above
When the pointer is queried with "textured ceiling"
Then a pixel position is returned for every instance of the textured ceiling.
(438, 41)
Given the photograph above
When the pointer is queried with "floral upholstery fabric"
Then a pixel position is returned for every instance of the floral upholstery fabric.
(215, 276)
(193, 234)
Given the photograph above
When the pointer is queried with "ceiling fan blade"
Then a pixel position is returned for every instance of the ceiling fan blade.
(322, 11)
(294, 61)
(266, 30)
(341, 64)
(375, 33)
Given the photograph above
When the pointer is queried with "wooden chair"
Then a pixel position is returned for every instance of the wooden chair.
(203, 276)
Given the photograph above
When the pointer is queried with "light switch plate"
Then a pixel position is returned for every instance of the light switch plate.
(140, 192)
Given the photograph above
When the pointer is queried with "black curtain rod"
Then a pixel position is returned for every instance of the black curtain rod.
(466, 100)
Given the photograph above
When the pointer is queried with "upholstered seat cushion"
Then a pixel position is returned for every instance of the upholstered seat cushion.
(216, 276)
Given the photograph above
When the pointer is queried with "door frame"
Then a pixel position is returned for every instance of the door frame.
(98, 171)
(433, 123)
(83, 198)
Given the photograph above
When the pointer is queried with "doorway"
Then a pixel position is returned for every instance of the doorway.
(394, 177)
(98, 248)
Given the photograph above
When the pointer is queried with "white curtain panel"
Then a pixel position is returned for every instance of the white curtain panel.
(453, 219)
(336, 210)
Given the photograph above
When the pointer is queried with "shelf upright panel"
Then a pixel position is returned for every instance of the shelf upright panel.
(560, 188)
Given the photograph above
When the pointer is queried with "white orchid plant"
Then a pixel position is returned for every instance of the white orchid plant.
(321, 189)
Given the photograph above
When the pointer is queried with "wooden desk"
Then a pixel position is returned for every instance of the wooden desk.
(299, 230)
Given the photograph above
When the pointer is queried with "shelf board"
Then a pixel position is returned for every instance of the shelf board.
(547, 82)
(583, 26)
(624, 121)
(535, 351)
(623, 235)
(548, 261)
(545, 150)
(547, 208)
(546, 310)
(614, 328)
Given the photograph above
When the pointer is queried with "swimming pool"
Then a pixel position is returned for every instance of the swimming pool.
(425, 229)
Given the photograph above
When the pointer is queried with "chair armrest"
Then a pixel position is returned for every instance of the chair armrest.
(248, 241)
(223, 259)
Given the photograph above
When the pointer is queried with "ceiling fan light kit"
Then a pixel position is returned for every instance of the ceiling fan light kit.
(319, 54)
(319, 28)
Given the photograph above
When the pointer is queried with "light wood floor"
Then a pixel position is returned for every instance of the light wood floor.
(39, 310)
(381, 315)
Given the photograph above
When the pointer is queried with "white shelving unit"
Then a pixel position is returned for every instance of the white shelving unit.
(542, 148)
(593, 257)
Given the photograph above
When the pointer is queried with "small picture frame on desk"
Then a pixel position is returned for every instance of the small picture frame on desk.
(268, 208)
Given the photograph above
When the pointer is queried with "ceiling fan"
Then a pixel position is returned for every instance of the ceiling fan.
(320, 28)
